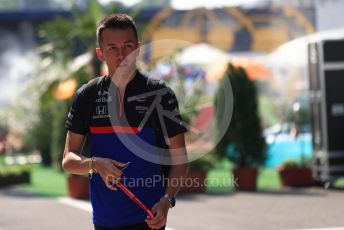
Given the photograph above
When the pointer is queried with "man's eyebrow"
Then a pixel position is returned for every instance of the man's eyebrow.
(111, 44)
(126, 42)
(130, 41)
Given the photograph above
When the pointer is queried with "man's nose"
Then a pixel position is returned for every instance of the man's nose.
(120, 53)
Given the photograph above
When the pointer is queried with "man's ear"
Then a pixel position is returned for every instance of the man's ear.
(99, 53)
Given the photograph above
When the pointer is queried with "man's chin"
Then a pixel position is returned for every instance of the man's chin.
(124, 71)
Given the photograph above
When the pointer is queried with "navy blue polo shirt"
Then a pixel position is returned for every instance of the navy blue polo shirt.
(116, 123)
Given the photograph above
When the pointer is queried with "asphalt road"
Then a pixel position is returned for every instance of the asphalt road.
(284, 209)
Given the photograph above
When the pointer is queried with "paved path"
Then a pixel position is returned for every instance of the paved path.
(312, 208)
(22, 211)
(287, 209)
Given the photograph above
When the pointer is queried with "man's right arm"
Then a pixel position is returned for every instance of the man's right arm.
(73, 162)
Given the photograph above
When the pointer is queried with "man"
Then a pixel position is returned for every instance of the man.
(114, 118)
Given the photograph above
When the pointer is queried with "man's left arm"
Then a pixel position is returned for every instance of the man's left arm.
(179, 167)
(178, 172)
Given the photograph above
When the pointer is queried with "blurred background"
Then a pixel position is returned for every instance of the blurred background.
(284, 59)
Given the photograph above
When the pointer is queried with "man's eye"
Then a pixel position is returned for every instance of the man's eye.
(112, 48)
(129, 46)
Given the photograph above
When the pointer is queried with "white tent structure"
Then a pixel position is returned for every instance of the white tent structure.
(289, 63)
(294, 53)
(214, 61)
(202, 54)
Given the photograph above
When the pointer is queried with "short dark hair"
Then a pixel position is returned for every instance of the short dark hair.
(116, 21)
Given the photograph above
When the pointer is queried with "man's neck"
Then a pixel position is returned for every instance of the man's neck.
(121, 80)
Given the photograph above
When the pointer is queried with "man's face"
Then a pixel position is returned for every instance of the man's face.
(119, 49)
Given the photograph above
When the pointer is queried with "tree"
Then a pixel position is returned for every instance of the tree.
(69, 37)
(64, 38)
(243, 142)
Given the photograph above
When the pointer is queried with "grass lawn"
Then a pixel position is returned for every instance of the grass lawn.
(47, 182)
(268, 179)
(221, 180)
(339, 183)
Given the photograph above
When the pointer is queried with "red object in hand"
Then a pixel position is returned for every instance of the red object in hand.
(135, 199)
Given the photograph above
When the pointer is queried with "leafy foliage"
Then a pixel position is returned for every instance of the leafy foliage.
(205, 163)
(69, 37)
(243, 142)
(64, 39)
(299, 163)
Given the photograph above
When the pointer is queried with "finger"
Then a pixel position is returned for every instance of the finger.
(112, 188)
(119, 164)
(154, 211)
(126, 166)
(158, 225)
(113, 180)
(110, 178)
(158, 218)
(109, 186)
(112, 171)
(116, 172)
(110, 181)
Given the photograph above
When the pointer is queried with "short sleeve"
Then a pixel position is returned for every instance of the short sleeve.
(172, 119)
(76, 121)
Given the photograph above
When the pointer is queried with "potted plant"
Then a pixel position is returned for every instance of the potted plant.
(78, 186)
(196, 178)
(243, 142)
(294, 174)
